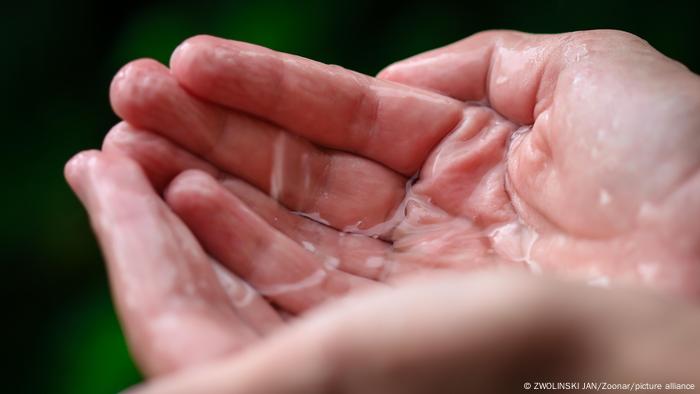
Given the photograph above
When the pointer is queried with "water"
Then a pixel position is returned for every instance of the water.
(421, 233)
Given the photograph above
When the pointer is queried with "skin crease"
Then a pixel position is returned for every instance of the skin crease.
(552, 171)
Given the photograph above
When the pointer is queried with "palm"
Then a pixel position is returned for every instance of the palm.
(338, 149)
(600, 182)
(604, 173)
(607, 173)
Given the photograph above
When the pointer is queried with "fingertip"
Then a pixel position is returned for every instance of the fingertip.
(389, 72)
(203, 62)
(190, 44)
(191, 62)
(89, 167)
(130, 142)
(414, 67)
(136, 86)
(75, 169)
(179, 52)
(117, 138)
(92, 169)
(190, 190)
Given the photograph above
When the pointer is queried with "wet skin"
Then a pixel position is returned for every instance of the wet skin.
(563, 154)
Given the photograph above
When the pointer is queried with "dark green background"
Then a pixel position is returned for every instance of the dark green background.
(61, 334)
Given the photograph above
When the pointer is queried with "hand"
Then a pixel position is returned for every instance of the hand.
(590, 172)
(413, 339)
(458, 215)
(178, 307)
(605, 169)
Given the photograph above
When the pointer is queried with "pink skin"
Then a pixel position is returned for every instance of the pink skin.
(174, 309)
(506, 331)
(554, 171)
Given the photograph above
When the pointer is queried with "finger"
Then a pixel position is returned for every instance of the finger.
(303, 177)
(515, 72)
(174, 312)
(355, 254)
(276, 266)
(248, 303)
(162, 160)
(331, 106)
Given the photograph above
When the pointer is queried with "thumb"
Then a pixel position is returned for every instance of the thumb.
(510, 70)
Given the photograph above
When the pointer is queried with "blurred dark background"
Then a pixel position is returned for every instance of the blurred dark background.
(61, 334)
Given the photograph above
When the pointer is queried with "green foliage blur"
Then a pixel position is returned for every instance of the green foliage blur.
(60, 331)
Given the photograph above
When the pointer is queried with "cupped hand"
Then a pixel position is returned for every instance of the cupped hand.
(605, 171)
(574, 154)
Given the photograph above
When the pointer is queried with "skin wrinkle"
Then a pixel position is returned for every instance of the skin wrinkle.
(391, 212)
(282, 81)
(487, 76)
(545, 92)
(494, 57)
(369, 127)
(483, 125)
(331, 158)
(540, 93)
(451, 126)
(324, 183)
(544, 143)
(355, 125)
(458, 126)
(513, 193)
(211, 149)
